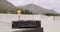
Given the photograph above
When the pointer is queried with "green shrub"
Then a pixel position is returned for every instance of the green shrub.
(51, 14)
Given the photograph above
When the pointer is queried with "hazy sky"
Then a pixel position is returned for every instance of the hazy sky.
(49, 4)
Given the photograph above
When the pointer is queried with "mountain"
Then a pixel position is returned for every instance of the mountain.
(37, 9)
(5, 5)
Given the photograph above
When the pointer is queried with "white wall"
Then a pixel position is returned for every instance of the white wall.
(12, 17)
(47, 23)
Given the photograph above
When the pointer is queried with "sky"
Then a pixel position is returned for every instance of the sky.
(48, 4)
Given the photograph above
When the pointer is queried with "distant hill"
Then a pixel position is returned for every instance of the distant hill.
(37, 9)
(7, 6)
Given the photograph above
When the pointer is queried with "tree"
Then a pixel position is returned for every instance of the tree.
(51, 14)
(26, 11)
